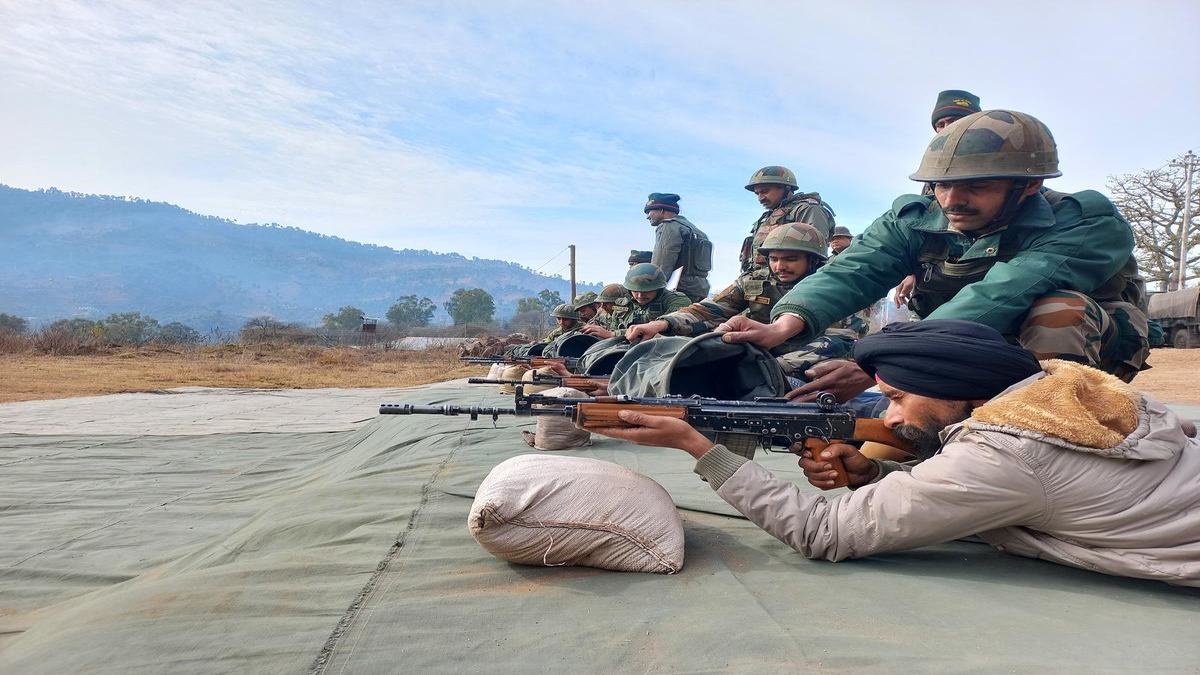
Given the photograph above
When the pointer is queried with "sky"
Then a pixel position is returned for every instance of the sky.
(509, 129)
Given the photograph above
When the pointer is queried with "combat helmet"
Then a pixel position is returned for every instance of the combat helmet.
(773, 175)
(564, 311)
(611, 293)
(645, 277)
(795, 237)
(990, 144)
(583, 300)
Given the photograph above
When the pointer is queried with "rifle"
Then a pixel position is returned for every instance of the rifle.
(570, 362)
(582, 383)
(777, 422)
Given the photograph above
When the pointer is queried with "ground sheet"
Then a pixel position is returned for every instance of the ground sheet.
(283, 532)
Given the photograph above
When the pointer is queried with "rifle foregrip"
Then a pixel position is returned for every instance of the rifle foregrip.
(604, 415)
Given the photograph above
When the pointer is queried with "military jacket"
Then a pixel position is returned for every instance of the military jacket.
(560, 331)
(631, 313)
(804, 207)
(1078, 243)
(679, 243)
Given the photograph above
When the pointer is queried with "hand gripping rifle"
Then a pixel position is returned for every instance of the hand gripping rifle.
(777, 422)
(582, 383)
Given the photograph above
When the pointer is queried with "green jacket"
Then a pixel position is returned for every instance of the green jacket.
(1078, 243)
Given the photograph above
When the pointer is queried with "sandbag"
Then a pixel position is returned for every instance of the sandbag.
(555, 432)
(553, 510)
(701, 366)
(513, 372)
(602, 356)
(496, 371)
(532, 388)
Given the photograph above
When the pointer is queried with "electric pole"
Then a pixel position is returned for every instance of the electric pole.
(1189, 165)
(572, 298)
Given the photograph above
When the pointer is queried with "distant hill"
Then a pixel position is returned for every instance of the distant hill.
(68, 255)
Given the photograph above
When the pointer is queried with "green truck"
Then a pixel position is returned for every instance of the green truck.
(1177, 313)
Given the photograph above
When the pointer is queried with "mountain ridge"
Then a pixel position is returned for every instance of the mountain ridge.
(74, 255)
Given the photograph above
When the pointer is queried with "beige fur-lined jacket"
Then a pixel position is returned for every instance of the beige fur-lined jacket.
(1071, 465)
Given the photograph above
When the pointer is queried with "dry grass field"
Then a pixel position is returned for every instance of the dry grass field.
(1175, 375)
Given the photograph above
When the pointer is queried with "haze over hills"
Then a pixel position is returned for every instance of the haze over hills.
(68, 255)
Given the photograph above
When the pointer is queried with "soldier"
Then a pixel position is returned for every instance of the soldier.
(567, 320)
(679, 244)
(1052, 271)
(638, 257)
(612, 300)
(584, 305)
(775, 187)
(951, 106)
(793, 252)
(648, 300)
(840, 240)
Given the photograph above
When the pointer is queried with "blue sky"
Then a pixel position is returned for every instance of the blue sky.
(508, 130)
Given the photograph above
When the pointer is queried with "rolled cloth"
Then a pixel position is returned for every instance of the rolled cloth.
(946, 359)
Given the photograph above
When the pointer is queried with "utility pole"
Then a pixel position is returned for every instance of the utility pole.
(572, 298)
(1189, 165)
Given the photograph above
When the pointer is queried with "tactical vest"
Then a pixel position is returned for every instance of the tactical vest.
(649, 311)
(787, 212)
(940, 276)
(762, 290)
(697, 257)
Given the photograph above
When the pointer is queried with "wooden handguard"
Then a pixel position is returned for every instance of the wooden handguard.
(604, 415)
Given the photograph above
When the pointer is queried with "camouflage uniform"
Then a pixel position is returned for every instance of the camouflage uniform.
(753, 295)
(1058, 275)
(563, 311)
(804, 207)
(645, 278)
(679, 243)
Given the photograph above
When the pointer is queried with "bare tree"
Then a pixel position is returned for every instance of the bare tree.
(1152, 200)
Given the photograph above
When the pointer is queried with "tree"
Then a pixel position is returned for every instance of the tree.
(409, 311)
(347, 318)
(550, 299)
(1152, 201)
(77, 328)
(473, 305)
(525, 305)
(129, 328)
(13, 324)
(179, 334)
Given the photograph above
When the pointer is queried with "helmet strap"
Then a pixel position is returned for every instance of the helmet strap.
(1009, 209)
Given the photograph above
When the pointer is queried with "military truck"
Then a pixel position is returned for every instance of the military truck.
(1177, 313)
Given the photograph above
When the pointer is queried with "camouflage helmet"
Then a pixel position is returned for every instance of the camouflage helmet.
(840, 231)
(795, 237)
(611, 293)
(583, 300)
(645, 277)
(990, 144)
(773, 175)
(564, 311)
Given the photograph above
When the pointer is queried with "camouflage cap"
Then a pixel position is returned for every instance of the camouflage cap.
(611, 293)
(795, 237)
(773, 175)
(583, 300)
(990, 144)
(954, 103)
(645, 277)
(564, 311)
(840, 231)
(636, 257)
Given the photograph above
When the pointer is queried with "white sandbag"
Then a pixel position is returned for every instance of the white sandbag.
(495, 371)
(555, 432)
(514, 372)
(535, 388)
(555, 510)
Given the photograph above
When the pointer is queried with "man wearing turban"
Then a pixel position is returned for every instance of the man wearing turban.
(1051, 460)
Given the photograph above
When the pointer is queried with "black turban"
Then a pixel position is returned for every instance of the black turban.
(946, 359)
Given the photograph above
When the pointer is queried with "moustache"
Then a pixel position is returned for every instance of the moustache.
(961, 211)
